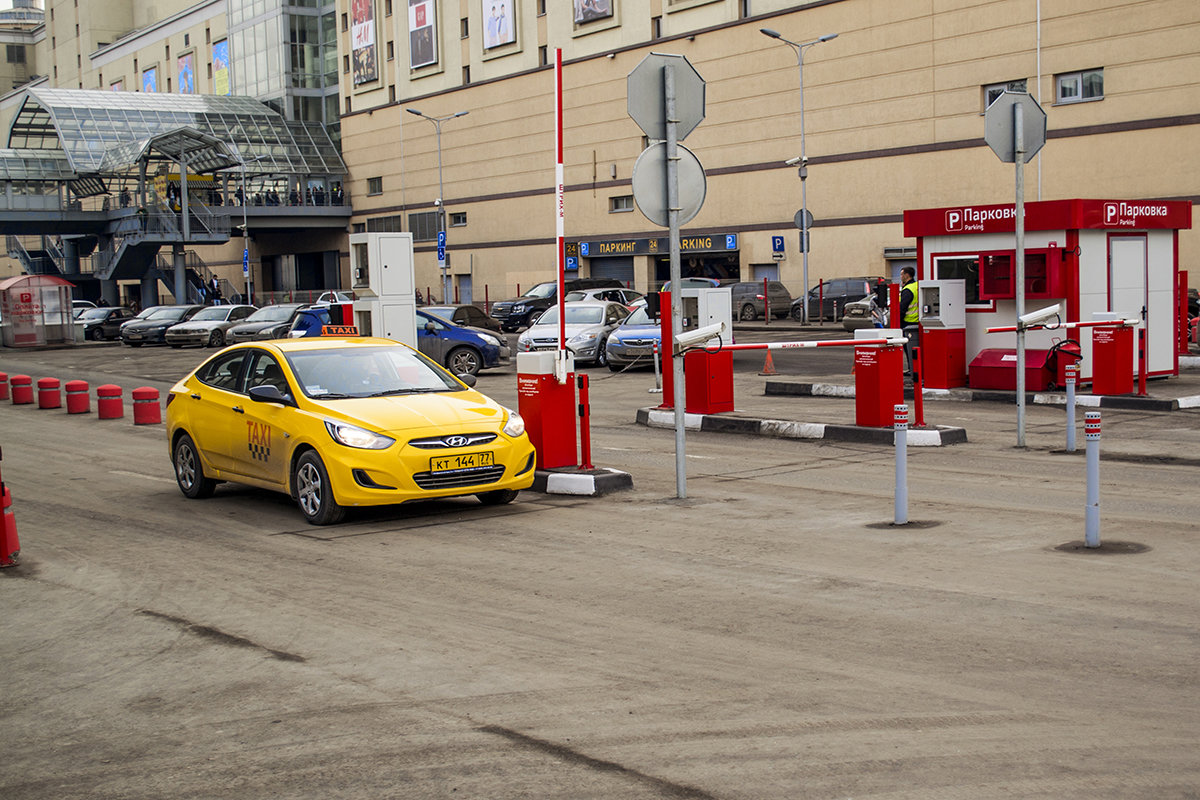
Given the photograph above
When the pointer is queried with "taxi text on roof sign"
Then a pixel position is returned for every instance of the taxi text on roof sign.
(339, 330)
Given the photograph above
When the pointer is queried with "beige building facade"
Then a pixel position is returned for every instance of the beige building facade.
(893, 120)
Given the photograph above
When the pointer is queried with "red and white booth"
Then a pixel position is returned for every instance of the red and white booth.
(1099, 258)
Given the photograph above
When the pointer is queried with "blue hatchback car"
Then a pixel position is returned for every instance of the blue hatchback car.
(462, 350)
(634, 341)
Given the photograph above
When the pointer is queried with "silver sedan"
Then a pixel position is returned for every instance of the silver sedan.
(207, 328)
(588, 326)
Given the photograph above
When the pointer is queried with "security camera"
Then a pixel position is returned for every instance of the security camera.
(437, 202)
(1041, 316)
(698, 336)
(791, 162)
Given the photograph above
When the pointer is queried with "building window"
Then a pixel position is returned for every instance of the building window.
(617, 205)
(375, 185)
(358, 227)
(391, 51)
(541, 8)
(992, 91)
(391, 93)
(424, 226)
(347, 102)
(387, 8)
(187, 39)
(15, 53)
(1078, 87)
(167, 51)
(346, 64)
(345, 22)
(393, 224)
(543, 55)
(464, 28)
(458, 219)
(656, 27)
(744, 9)
(466, 75)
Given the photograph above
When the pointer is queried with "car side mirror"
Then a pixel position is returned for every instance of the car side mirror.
(469, 380)
(430, 327)
(269, 394)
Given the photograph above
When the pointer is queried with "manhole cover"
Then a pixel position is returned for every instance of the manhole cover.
(1106, 548)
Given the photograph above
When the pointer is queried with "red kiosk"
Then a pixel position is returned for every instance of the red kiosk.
(1100, 259)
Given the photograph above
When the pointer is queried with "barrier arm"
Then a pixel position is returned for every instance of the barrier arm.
(1055, 326)
(797, 345)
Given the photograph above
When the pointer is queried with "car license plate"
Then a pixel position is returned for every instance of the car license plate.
(463, 461)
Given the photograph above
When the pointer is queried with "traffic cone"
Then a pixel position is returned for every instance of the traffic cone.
(768, 366)
(10, 546)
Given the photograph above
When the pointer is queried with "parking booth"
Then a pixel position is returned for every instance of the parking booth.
(1092, 257)
(36, 310)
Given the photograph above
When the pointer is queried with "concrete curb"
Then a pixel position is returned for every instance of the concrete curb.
(789, 429)
(1126, 402)
(588, 483)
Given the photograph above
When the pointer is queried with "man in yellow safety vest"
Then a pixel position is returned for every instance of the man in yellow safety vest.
(910, 314)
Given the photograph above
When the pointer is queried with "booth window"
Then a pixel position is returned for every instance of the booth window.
(1044, 277)
(1079, 87)
(964, 268)
(994, 90)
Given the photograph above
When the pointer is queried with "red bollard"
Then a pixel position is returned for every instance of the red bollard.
(108, 402)
(22, 390)
(3, 385)
(49, 393)
(146, 410)
(78, 401)
(10, 545)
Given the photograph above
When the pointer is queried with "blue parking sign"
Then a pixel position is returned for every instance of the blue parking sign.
(777, 244)
(583, 249)
(731, 241)
(572, 264)
(441, 239)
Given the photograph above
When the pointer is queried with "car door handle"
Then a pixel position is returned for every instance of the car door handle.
(195, 396)
(239, 409)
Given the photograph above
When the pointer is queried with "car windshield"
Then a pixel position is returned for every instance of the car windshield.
(212, 312)
(639, 317)
(543, 290)
(272, 314)
(575, 315)
(368, 372)
(571, 297)
(169, 312)
(94, 313)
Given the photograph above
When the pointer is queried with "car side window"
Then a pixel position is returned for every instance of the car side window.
(241, 313)
(265, 371)
(224, 371)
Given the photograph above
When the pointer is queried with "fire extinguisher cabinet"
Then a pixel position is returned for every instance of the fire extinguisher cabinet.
(1112, 359)
(548, 408)
(878, 384)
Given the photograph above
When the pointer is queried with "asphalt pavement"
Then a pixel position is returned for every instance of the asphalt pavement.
(770, 635)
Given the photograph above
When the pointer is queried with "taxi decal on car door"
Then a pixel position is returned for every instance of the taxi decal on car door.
(258, 439)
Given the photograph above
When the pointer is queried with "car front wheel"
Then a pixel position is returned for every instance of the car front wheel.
(497, 498)
(798, 313)
(216, 339)
(96, 335)
(313, 492)
(189, 472)
(464, 361)
(748, 313)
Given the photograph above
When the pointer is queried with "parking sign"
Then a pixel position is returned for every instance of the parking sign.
(777, 245)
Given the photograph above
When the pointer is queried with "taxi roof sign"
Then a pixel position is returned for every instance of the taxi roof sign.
(339, 330)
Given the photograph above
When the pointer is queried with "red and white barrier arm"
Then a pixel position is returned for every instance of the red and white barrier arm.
(1055, 326)
(796, 345)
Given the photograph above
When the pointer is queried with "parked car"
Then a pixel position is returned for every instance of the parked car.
(588, 326)
(693, 283)
(208, 327)
(269, 322)
(79, 306)
(633, 341)
(466, 314)
(864, 313)
(310, 321)
(463, 351)
(749, 302)
(838, 290)
(626, 297)
(103, 323)
(336, 297)
(153, 328)
(520, 312)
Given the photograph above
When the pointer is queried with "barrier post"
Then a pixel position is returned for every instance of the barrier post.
(1091, 428)
(1071, 371)
(49, 393)
(22, 390)
(766, 303)
(146, 409)
(585, 424)
(657, 375)
(901, 428)
(3, 385)
(487, 305)
(820, 302)
(10, 545)
(1141, 362)
(108, 402)
(918, 388)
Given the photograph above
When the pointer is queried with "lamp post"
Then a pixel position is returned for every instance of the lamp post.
(441, 201)
(800, 47)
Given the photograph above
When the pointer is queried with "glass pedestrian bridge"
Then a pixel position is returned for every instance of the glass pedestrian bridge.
(120, 174)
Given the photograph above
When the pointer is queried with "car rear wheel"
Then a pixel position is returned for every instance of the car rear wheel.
(464, 361)
(497, 498)
(189, 472)
(96, 334)
(216, 339)
(602, 354)
(313, 492)
(748, 313)
(798, 313)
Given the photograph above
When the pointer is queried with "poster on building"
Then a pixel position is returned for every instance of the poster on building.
(498, 28)
(150, 80)
(187, 73)
(220, 62)
(117, 86)
(364, 52)
(587, 10)
(422, 43)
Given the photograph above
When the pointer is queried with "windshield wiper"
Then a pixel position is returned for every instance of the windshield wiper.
(333, 396)
(414, 390)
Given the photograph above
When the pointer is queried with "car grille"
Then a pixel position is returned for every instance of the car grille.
(452, 480)
(637, 342)
(500, 310)
(453, 440)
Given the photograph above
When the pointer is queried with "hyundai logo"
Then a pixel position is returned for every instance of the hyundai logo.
(456, 441)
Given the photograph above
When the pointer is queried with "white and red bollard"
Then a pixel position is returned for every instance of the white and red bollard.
(10, 545)
(1091, 432)
(900, 425)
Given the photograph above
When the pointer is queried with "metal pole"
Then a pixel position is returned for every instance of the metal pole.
(1072, 372)
(445, 265)
(657, 377)
(803, 192)
(676, 281)
(1091, 428)
(1019, 159)
(245, 239)
(900, 424)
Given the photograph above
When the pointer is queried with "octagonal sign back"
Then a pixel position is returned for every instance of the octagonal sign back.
(647, 100)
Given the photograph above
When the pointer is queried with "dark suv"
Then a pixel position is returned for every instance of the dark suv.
(521, 311)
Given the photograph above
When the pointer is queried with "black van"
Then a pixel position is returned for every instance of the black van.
(520, 312)
(821, 298)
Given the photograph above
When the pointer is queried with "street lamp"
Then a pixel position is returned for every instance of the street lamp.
(441, 201)
(800, 47)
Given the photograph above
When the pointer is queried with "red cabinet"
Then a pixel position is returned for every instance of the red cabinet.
(1045, 277)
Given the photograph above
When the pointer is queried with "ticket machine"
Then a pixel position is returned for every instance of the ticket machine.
(942, 306)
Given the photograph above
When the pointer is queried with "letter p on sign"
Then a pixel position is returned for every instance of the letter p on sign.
(1110, 213)
(954, 220)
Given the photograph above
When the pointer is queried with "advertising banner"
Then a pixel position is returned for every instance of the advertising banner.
(220, 62)
(422, 39)
(364, 51)
(150, 80)
(187, 73)
(498, 28)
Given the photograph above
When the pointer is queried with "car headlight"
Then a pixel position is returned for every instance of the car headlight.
(354, 436)
(492, 340)
(583, 338)
(515, 425)
(519, 308)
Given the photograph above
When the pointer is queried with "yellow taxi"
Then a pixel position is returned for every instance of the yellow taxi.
(342, 422)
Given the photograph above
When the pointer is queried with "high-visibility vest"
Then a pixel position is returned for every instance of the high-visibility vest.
(913, 314)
